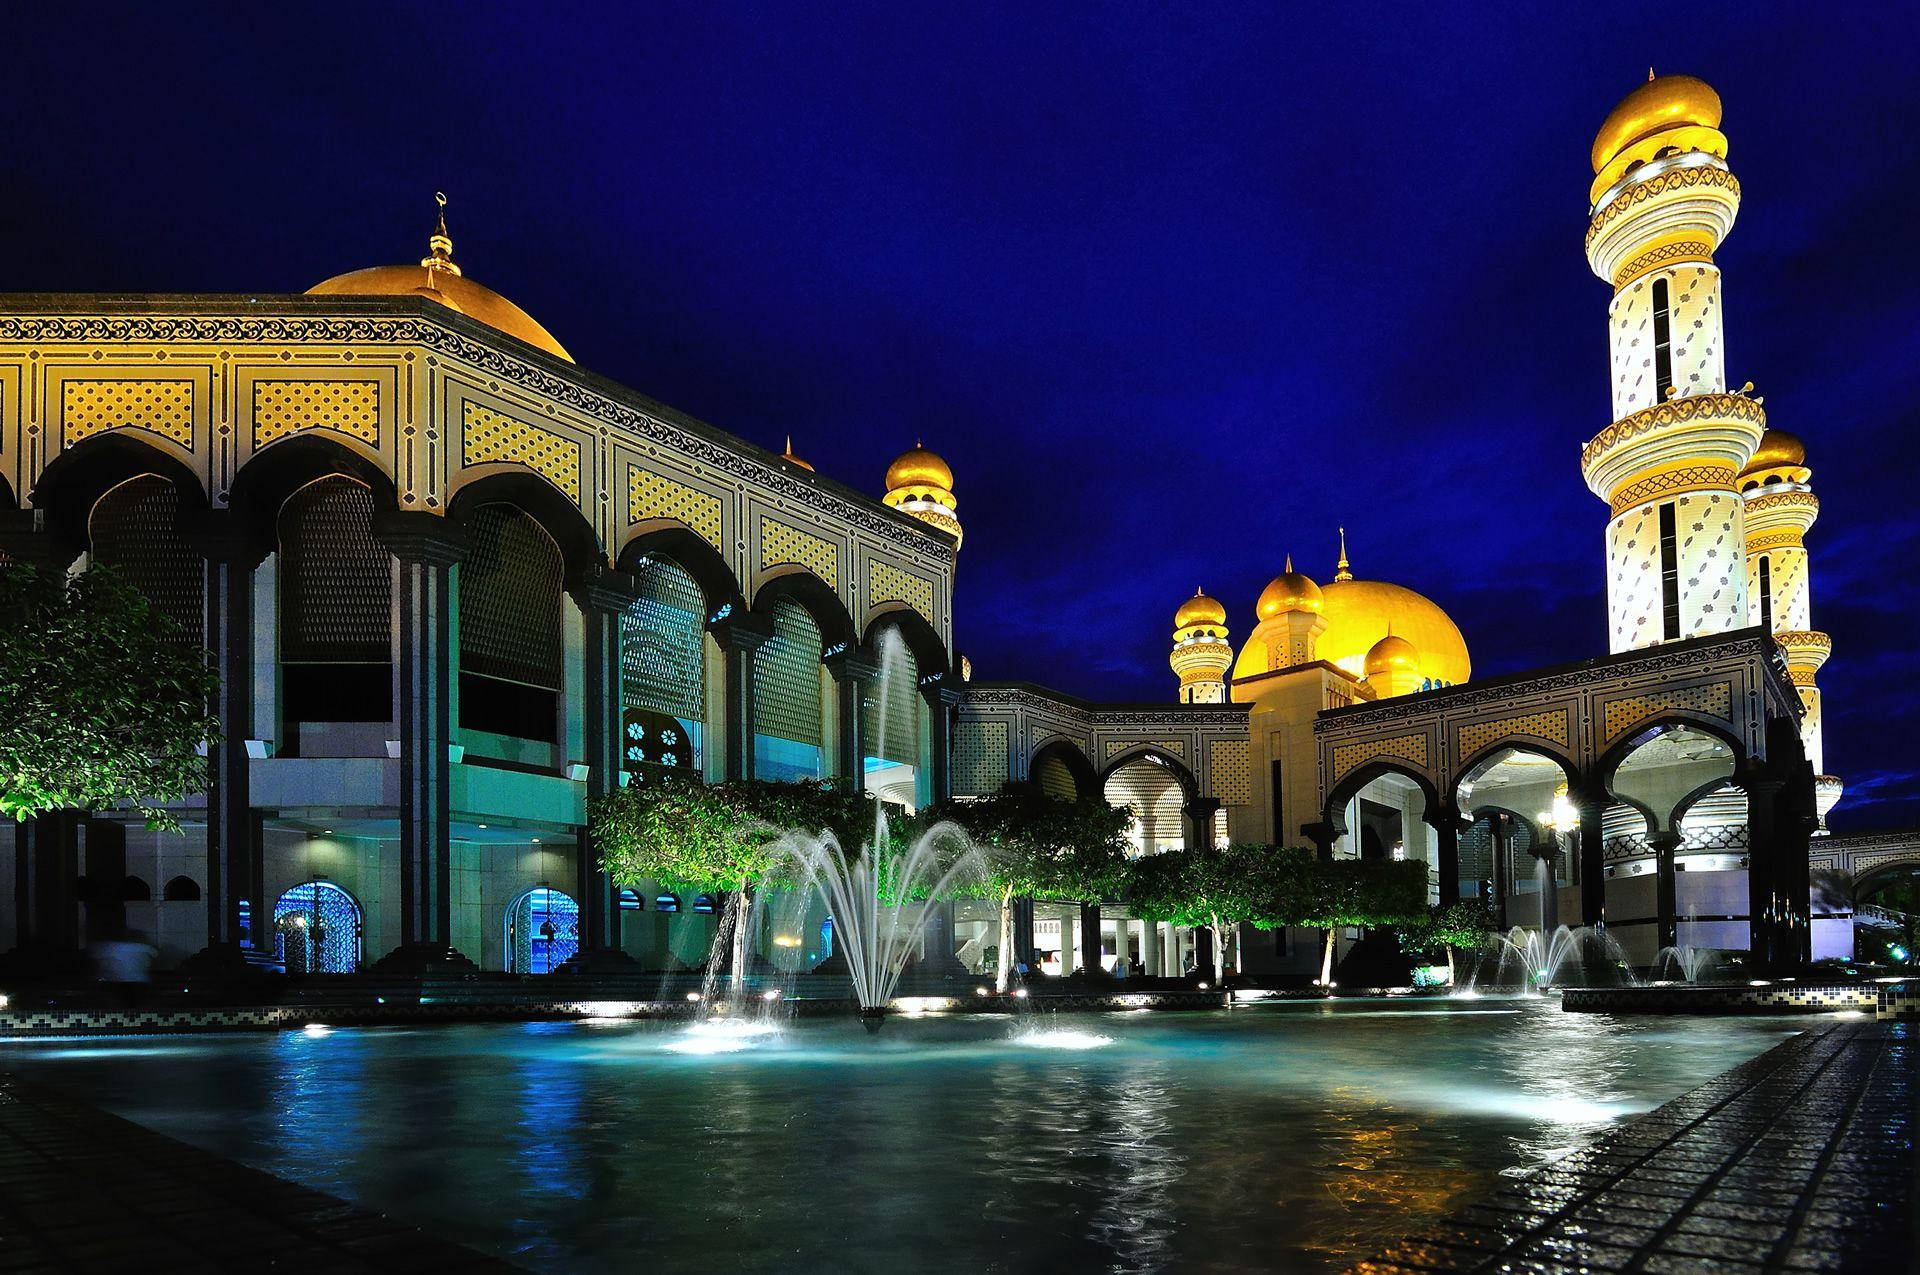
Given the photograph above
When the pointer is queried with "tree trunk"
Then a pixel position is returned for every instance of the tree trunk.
(742, 918)
(1326, 959)
(1219, 954)
(1451, 973)
(1005, 968)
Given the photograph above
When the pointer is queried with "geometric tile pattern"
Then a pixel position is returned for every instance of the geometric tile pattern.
(651, 495)
(1231, 775)
(1411, 748)
(979, 758)
(93, 407)
(1549, 726)
(488, 436)
(1178, 747)
(287, 407)
(780, 543)
(888, 583)
(1713, 700)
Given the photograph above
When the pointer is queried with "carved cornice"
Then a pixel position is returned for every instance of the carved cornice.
(1782, 500)
(1653, 258)
(1672, 179)
(1673, 482)
(1675, 411)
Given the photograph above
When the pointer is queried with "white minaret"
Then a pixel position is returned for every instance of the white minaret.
(1201, 652)
(1663, 199)
(1780, 508)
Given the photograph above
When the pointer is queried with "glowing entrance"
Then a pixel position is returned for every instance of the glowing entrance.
(316, 929)
(543, 931)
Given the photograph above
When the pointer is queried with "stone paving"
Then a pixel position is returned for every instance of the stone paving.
(1803, 1159)
(81, 1190)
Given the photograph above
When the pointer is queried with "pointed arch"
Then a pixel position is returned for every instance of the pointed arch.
(1189, 785)
(1067, 753)
(929, 653)
(1333, 813)
(817, 597)
(73, 482)
(275, 472)
(540, 500)
(691, 552)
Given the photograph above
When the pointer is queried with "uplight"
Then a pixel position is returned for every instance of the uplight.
(786, 940)
(770, 995)
(693, 996)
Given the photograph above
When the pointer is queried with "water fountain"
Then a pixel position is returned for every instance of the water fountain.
(1524, 959)
(1686, 964)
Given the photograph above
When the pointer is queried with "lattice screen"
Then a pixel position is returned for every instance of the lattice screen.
(892, 728)
(786, 678)
(510, 600)
(336, 581)
(662, 650)
(134, 529)
(1055, 778)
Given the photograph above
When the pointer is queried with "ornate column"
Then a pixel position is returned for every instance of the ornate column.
(425, 548)
(234, 870)
(1199, 813)
(1665, 887)
(1445, 823)
(853, 672)
(739, 634)
(603, 598)
(1593, 860)
(943, 698)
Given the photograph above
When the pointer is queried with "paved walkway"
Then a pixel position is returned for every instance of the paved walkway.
(81, 1190)
(1803, 1159)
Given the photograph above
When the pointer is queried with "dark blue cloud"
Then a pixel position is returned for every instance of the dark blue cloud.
(1176, 290)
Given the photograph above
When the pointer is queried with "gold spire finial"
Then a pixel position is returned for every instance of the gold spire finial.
(1289, 564)
(1341, 569)
(440, 243)
(1649, 75)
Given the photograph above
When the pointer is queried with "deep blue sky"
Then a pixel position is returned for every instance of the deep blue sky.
(1176, 289)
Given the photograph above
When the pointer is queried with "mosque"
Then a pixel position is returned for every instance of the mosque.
(456, 585)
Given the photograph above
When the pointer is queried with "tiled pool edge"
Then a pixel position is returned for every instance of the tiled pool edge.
(1884, 1000)
(1802, 1159)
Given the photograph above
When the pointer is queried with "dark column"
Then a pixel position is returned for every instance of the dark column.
(602, 598)
(852, 672)
(1023, 932)
(1446, 828)
(1199, 814)
(943, 697)
(1666, 887)
(25, 539)
(1322, 835)
(1764, 896)
(425, 548)
(739, 635)
(1543, 854)
(1500, 843)
(938, 960)
(233, 851)
(49, 847)
(1593, 860)
(1090, 937)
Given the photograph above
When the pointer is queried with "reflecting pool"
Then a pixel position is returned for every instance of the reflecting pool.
(1291, 1136)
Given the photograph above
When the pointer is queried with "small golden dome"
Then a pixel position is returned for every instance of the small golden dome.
(1778, 449)
(1289, 591)
(1389, 654)
(918, 467)
(1200, 609)
(1663, 102)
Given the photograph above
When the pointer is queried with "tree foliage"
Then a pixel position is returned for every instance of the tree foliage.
(1465, 924)
(1037, 846)
(717, 836)
(1340, 892)
(1219, 885)
(102, 703)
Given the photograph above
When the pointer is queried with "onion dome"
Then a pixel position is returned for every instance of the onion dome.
(1200, 609)
(439, 280)
(791, 459)
(918, 467)
(1664, 104)
(1289, 591)
(1392, 654)
(1778, 449)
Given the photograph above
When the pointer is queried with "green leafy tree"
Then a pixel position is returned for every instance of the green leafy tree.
(1219, 887)
(1341, 892)
(102, 702)
(1036, 846)
(1435, 934)
(719, 837)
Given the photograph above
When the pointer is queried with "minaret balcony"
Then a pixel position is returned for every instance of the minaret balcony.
(1678, 209)
(1806, 650)
(1779, 507)
(1655, 447)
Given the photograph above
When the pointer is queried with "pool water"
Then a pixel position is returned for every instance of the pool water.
(1285, 1136)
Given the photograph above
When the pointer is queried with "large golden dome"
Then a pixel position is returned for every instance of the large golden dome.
(1362, 612)
(437, 279)
(918, 467)
(1662, 103)
(1200, 609)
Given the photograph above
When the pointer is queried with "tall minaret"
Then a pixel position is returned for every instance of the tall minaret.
(1780, 507)
(1663, 199)
(1201, 652)
(920, 485)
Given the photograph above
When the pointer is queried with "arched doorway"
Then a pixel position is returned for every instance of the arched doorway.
(543, 931)
(316, 929)
(1155, 792)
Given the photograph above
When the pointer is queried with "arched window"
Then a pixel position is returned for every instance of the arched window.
(630, 901)
(134, 890)
(788, 736)
(666, 903)
(1147, 788)
(336, 608)
(891, 728)
(134, 529)
(510, 669)
(543, 931)
(181, 890)
(663, 671)
(1055, 777)
(316, 929)
(703, 903)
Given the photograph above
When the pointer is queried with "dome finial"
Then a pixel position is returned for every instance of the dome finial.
(1650, 75)
(440, 243)
(1341, 569)
(1289, 567)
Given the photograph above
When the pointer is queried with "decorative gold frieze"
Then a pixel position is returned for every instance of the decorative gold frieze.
(1675, 411)
(1672, 483)
(651, 495)
(284, 407)
(94, 407)
(1665, 254)
(1672, 179)
(488, 436)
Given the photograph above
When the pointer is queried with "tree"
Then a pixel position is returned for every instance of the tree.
(1342, 892)
(1036, 846)
(1435, 934)
(1219, 888)
(719, 837)
(103, 704)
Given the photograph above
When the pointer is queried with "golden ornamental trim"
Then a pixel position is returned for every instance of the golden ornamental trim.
(1230, 771)
(652, 495)
(1550, 725)
(1802, 640)
(1800, 675)
(1673, 482)
(1408, 748)
(1783, 500)
(284, 407)
(1672, 179)
(1712, 700)
(1675, 411)
(1791, 538)
(161, 406)
(1653, 258)
(888, 583)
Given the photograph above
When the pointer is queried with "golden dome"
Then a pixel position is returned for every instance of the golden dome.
(437, 279)
(1362, 612)
(1662, 103)
(1200, 609)
(1778, 449)
(918, 467)
(1390, 653)
(1289, 591)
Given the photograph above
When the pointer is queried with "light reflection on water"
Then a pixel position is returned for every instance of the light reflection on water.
(1288, 1135)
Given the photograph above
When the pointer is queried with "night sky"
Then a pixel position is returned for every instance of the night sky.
(1175, 289)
